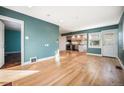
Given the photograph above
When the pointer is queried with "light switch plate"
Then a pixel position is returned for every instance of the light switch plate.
(27, 37)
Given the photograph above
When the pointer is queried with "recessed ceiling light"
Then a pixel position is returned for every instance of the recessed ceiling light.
(30, 6)
(73, 36)
(78, 36)
(61, 21)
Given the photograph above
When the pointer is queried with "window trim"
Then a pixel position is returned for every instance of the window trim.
(100, 39)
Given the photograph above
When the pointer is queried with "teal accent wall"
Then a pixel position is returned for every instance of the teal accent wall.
(40, 32)
(99, 29)
(12, 41)
(120, 39)
(94, 50)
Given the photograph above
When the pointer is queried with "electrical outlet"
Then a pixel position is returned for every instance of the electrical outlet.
(33, 59)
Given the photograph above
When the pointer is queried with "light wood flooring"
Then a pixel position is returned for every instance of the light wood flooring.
(76, 69)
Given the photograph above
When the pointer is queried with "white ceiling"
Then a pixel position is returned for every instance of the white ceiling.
(12, 25)
(74, 18)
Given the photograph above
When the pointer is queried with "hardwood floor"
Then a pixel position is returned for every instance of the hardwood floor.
(12, 60)
(76, 69)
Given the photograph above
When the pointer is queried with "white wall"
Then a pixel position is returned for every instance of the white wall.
(62, 43)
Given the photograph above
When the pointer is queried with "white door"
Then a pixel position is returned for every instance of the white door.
(109, 43)
(1, 44)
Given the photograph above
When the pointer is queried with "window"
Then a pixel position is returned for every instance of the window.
(94, 40)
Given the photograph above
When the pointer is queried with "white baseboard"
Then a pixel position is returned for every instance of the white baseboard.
(47, 58)
(39, 60)
(94, 54)
(120, 62)
(13, 52)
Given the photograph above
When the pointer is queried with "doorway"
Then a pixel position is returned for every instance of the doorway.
(12, 42)
(109, 43)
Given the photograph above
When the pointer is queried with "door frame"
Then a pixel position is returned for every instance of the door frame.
(2, 37)
(114, 31)
(22, 33)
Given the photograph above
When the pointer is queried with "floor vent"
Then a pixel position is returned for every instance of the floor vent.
(33, 59)
(119, 67)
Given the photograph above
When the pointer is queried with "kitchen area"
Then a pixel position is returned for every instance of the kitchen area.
(76, 43)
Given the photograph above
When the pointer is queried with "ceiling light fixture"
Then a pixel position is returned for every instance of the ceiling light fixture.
(61, 21)
(78, 36)
(29, 6)
(73, 36)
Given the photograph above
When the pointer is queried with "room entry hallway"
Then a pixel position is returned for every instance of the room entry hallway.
(76, 69)
(12, 60)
